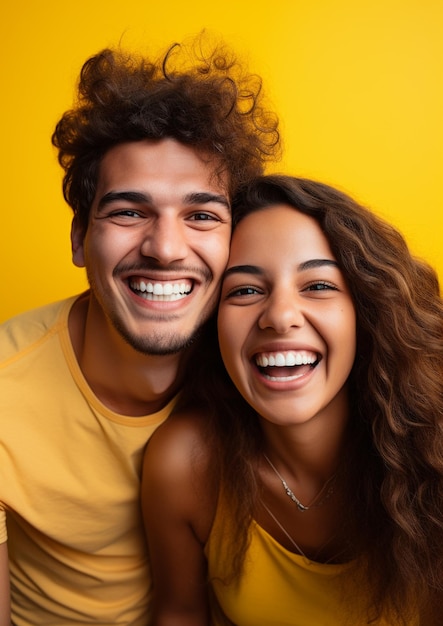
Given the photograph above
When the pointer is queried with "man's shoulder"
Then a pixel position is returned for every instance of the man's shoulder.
(25, 329)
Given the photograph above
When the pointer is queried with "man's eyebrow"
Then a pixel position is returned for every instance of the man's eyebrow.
(205, 197)
(136, 197)
(255, 270)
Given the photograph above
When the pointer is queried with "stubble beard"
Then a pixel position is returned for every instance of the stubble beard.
(156, 343)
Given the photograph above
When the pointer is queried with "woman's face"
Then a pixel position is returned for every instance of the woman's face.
(287, 323)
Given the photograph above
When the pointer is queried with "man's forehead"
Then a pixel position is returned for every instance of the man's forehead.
(163, 170)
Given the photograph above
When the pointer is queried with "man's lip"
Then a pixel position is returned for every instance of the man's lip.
(162, 274)
(162, 281)
(161, 277)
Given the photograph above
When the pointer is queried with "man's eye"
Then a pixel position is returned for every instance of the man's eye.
(125, 213)
(202, 217)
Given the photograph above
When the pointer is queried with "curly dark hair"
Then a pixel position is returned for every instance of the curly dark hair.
(394, 471)
(202, 99)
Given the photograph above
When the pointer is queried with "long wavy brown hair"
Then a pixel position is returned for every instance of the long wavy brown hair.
(197, 92)
(394, 492)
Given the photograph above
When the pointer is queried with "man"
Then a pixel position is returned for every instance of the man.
(152, 153)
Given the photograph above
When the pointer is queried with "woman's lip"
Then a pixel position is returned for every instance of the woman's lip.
(284, 363)
(289, 377)
(295, 349)
(283, 346)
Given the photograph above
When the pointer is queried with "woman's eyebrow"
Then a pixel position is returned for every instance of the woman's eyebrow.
(243, 269)
(255, 270)
(313, 263)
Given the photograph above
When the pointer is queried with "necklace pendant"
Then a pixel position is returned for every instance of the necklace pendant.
(301, 507)
(317, 501)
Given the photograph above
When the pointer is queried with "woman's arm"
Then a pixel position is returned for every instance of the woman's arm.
(178, 503)
(5, 608)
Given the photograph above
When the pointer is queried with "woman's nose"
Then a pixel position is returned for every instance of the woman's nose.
(282, 312)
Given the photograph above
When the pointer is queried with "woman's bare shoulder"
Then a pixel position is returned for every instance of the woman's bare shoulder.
(183, 436)
(179, 451)
(179, 474)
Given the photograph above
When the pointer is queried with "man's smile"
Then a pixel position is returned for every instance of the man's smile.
(161, 291)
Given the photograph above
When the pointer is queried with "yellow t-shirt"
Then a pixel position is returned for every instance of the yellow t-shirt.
(69, 484)
(280, 588)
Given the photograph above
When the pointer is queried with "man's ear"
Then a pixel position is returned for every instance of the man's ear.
(77, 240)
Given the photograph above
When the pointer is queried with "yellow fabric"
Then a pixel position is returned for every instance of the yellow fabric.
(280, 588)
(69, 486)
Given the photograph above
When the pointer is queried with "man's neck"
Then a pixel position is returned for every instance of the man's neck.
(124, 380)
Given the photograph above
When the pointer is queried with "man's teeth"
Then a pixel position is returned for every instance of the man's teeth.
(161, 291)
(285, 359)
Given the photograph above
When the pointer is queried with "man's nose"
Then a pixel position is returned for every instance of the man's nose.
(165, 240)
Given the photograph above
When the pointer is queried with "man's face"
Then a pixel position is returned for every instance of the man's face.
(157, 243)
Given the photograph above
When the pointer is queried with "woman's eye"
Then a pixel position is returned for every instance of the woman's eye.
(242, 291)
(321, 286)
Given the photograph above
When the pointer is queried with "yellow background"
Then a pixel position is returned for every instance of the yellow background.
(358, 86)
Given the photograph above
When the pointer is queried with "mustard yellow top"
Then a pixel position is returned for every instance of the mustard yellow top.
(280, 588)
(69, 488)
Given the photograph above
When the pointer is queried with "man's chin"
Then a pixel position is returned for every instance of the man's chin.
(159, 345)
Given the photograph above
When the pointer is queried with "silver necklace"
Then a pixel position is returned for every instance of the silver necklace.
(315, 502)
(296, 546)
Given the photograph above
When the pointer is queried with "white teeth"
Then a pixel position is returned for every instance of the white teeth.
(291, 359)
(280, 360)
(172, 291)
(285, 359)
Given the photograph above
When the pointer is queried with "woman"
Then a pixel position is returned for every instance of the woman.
(315, 496)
